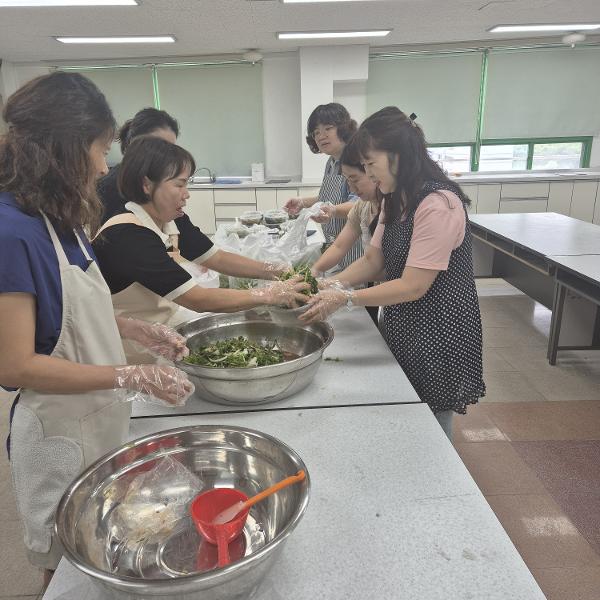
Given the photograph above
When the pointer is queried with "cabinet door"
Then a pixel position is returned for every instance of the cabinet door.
(309, 192)
(488, 198)
(245, 196)
(284, 194)
(470, 189)
(200, 209)
(597, 209)
(266, 199)
(512, 191)
(531, 205)
(584, 198)
(559, 200)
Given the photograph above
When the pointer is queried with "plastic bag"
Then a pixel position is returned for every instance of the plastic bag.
(202, 276)
(155, 503)
(292, 246)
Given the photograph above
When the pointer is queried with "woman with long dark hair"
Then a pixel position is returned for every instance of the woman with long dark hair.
(58, 333)
(423, 243)
(328, 130)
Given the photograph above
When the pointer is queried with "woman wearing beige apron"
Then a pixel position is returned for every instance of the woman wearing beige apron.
(137, 250)
(58, 333)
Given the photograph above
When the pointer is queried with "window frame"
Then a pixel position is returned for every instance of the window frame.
(585, 141)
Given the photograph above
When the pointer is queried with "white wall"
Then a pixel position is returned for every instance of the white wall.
(595, 157)
(352, 95)
(281, 115)
(321, 68)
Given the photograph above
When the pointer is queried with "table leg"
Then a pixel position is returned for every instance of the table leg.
(557, 312)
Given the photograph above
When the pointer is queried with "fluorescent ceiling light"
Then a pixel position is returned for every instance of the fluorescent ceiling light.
(313, 35)
(139, 39)
(42, 3)
(545, 27)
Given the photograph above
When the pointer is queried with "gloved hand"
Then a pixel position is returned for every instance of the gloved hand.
(277, 268)
(163, 382)
(287, 293)
(294, 205)
(327, 211)
(325, 303)
(159, 339)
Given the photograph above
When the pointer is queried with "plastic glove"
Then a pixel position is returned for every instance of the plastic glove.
(325, 303)
(294, 205)
(159, 339)
(287, 293)
(276, 269)
(166, 383)
(326, 212)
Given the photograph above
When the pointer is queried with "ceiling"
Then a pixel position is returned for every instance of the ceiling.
(216, 27)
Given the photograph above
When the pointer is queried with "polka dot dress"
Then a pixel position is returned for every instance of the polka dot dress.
(437, 339)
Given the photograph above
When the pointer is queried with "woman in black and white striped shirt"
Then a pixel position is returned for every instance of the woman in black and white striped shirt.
(329, 128)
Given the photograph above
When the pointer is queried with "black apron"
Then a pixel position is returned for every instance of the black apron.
(437, 340)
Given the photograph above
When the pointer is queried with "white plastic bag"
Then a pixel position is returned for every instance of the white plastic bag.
(292, 246)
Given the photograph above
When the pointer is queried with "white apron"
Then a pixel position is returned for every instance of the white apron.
(55, 436)
(137, 301)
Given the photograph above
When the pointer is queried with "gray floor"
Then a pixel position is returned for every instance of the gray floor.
(516, 370)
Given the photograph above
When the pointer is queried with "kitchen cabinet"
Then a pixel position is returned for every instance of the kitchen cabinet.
(244, 196)
(559, 199)
(229, 212)
(284, 194)
(584, 200)
(488, 198)
(532, 205)
(512, 191)
(471, 191)
(266, 199)
(200, 208)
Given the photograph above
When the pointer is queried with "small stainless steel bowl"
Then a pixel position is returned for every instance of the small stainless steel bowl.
(256, 385)
(168, 567)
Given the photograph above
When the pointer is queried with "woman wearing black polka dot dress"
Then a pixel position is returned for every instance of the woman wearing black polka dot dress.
(422, 251)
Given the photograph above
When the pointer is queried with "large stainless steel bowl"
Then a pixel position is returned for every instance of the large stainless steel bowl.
(257, 385)
(167, 566)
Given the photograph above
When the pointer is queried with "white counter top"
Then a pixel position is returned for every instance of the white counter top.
(473, 178)
(364, 363)
(393, 514)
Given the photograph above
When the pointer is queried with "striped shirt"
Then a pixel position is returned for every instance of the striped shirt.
(334, 189)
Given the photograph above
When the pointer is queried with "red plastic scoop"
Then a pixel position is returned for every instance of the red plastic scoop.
(206, 507)
(220, 514)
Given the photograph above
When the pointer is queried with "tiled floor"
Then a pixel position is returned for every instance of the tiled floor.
(532, 445)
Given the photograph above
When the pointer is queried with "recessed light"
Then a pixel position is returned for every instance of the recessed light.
(43, 3)
(136, 39)
(544, 27)
(313, 35)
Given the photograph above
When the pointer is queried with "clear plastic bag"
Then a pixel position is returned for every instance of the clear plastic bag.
(155, 502)
(292, 247)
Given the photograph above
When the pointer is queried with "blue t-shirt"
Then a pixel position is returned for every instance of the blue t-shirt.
(28, 263)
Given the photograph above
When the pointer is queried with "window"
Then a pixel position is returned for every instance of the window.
(557, 155)
(453, 159)
(503, 157)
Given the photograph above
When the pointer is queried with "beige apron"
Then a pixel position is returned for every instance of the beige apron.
(137, 301)
(55, 436)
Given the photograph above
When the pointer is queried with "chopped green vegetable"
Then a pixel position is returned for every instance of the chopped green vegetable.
(236, 352)
(333, 359)
(304, 271)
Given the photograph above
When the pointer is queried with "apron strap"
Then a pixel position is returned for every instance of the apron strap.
(83, 248)
(63, 261)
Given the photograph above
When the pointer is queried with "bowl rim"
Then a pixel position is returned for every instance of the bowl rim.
(208, 577)
(208, 371)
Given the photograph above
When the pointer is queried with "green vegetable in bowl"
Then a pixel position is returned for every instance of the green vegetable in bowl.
(307, 276)
(237, 352)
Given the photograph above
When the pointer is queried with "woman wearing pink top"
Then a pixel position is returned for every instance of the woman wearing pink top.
(421, 249)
